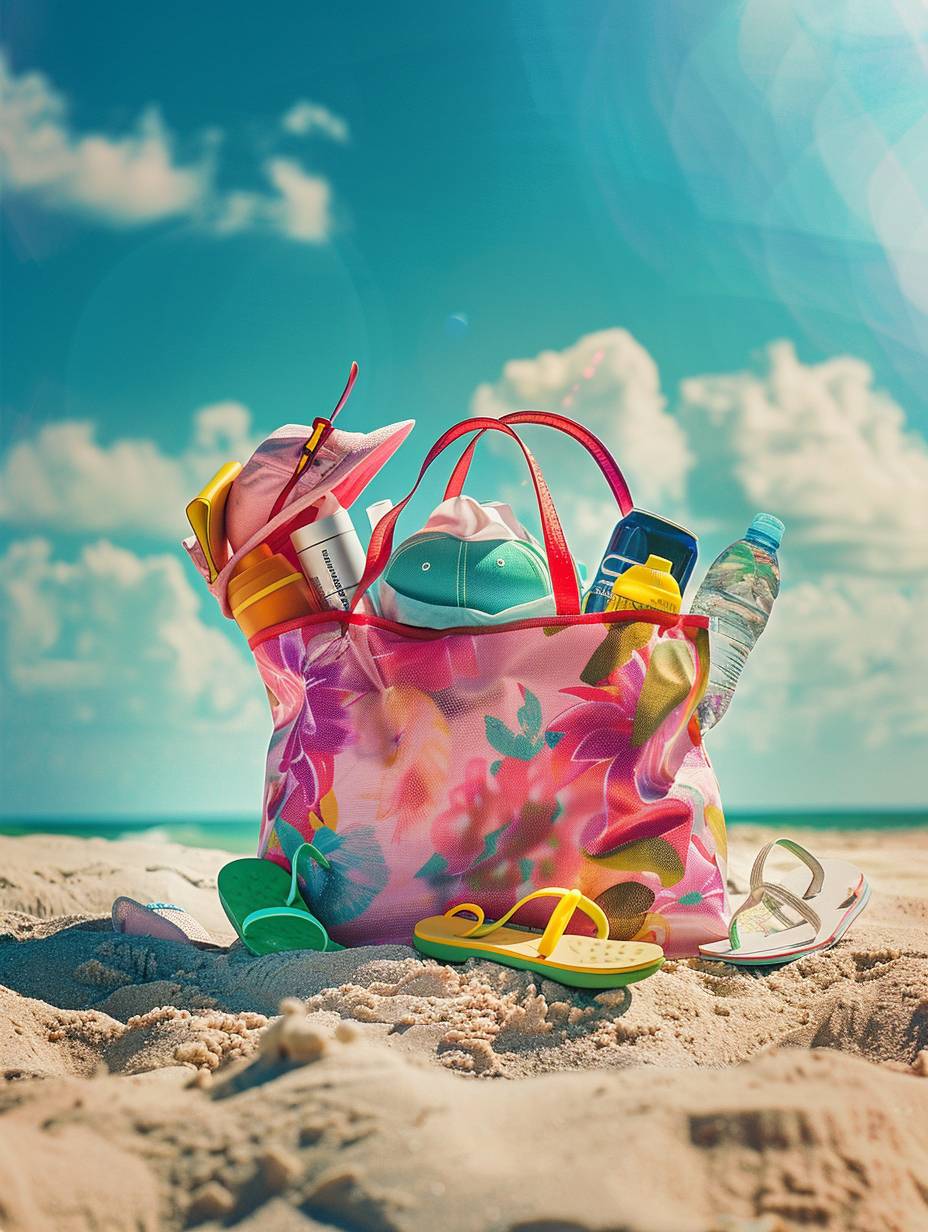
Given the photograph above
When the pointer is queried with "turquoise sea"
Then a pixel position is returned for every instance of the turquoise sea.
(241, 834)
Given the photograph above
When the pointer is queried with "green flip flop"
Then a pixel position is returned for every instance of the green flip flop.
(264, 905)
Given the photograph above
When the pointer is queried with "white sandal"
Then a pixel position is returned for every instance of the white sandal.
(781, 921)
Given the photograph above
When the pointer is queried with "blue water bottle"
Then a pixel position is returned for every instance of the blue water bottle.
(638, 536)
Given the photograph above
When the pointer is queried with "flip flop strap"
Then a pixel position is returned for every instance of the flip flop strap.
(779, 897)
(310, 850)
(818, 873)
(279, 913)
(570, 901)
(290, 912)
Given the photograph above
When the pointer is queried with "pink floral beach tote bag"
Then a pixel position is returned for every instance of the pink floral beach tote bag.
(434, 767)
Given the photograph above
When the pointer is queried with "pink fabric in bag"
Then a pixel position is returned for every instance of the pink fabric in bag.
(437, 767)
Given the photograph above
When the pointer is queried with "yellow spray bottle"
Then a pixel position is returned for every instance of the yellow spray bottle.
(646, 587)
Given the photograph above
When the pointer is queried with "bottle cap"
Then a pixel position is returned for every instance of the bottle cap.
(339, 523)
(647, 586)
(768, 525)
(378, 510)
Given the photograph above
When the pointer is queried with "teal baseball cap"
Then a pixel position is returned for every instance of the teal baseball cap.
(482, 575)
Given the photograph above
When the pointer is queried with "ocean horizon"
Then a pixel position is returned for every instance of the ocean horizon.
(240, 834)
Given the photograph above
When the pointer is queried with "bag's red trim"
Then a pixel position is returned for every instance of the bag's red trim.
(415, 632)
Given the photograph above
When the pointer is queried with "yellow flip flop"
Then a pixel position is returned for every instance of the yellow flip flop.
(581, 962)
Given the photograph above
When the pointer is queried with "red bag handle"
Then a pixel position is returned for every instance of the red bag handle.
(560, 562)
(549, 419)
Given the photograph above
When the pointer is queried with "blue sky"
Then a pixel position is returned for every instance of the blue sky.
(211, 210)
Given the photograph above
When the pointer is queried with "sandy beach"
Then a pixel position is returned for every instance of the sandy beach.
(151, 1085)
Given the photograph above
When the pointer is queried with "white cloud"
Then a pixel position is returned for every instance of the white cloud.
(304, 208)
(135, 179)
(123, 181)
(843, 651)
(114, 637)
(304, 119)
(609, 382)
(820, 446)
(64, 479)
(298, 209)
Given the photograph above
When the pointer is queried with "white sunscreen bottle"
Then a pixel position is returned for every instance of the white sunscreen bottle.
(331, 557)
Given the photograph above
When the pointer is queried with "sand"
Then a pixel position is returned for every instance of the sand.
(150, 1085)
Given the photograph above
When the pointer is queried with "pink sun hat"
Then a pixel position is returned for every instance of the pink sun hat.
(292, 470)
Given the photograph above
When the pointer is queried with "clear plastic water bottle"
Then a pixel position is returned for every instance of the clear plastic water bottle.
(737, 595)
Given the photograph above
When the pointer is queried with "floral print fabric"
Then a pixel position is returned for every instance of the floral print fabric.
(434, 768)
